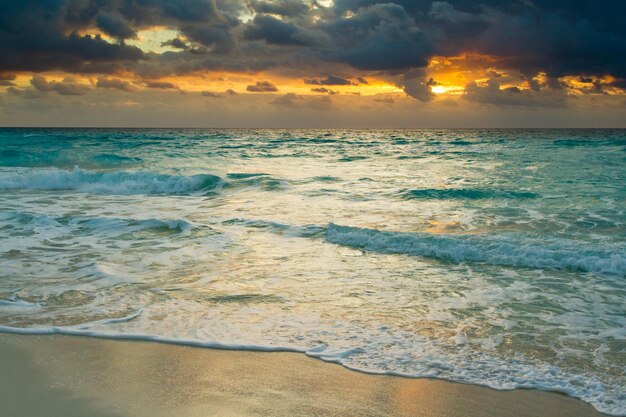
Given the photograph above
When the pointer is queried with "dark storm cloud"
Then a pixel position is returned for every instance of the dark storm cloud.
(559, 37)
(552, 43)
(108, 82)
(153, 12)
(211, 94)
(294, 101)
(25, 93)
(328, 80)
(391, 38)
(281, 7)
(324, 90)
(379, 37)
(417, 89)
(6, 79)
(493, 94)
(67, 87)
(163, 85)
(217, 36)
(113, 24)
(275, 31)
(176, 43)
(214, 94)
(415, 85)
(619, 83)
(42, 35)
(262, 87)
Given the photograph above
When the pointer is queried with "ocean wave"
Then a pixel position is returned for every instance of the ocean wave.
(517, 251)
(570, 143)
(279, 228)
(106, 182)
(109, 223)
(25, 220)
(245, 175)
(115, 160)
(326, 178)
(256, 180)
(351, 158)
(464, 193)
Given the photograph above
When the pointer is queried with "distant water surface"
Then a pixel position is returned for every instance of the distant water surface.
(494, 257)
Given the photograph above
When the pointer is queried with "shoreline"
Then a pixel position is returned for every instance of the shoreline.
(65, 375)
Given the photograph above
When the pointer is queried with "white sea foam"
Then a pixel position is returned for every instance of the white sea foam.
(84, 330)
(105, 182)
(15, 305)
(517, 251)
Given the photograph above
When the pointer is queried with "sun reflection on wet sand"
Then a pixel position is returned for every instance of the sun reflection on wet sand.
(102, 378)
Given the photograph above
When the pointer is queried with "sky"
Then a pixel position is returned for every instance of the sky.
(313, 63)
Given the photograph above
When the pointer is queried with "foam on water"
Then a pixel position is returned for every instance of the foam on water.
(13, 304)
(369, 356)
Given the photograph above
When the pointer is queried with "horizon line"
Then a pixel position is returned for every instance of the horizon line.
(318, 128)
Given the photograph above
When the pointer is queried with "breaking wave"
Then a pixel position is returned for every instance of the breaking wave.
(507, 250)
(30, 222)
(106, 182)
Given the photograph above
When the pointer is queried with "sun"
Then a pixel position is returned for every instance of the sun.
(438, 89)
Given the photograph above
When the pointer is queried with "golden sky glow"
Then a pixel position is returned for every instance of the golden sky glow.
(348, 56)
(450, 76)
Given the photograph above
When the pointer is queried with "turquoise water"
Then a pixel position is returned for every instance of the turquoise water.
(494, 257)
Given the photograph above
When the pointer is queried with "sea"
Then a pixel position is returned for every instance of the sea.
(489, 257)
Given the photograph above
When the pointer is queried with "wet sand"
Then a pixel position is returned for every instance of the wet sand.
(68, 376)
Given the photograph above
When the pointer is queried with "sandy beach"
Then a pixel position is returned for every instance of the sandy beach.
(80, 376)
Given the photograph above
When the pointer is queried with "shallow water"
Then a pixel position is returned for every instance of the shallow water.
(494, 257)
